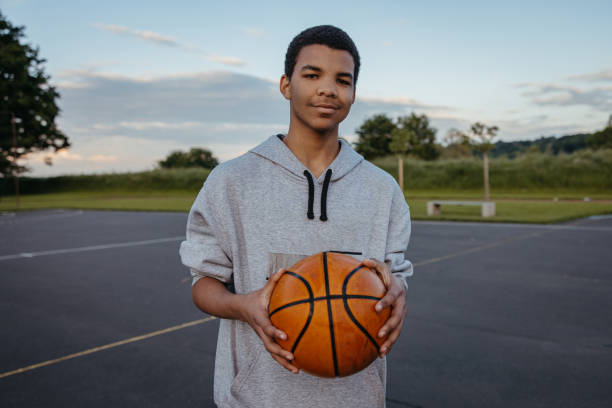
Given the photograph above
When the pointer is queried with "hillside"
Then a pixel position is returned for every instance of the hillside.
(551, 144)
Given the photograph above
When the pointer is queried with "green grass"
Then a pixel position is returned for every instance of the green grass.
(532, 188)
(124, 201)
(516, 194)
(583, 170)
(508, 210)
(528, 211)
(583, 173)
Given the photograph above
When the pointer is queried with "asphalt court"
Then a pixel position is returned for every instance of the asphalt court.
(92, 308)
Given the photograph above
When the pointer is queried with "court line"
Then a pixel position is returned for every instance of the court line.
(89, 248)
(195, 322)
(52, 215)
(481, 247)
(106, 347)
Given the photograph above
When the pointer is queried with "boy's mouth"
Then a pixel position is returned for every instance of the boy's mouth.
(326, 108)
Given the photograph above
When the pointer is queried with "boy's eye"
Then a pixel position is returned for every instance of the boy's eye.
(310, 75)
(344, 82)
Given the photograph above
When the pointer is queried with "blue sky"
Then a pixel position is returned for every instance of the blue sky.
(139, 79)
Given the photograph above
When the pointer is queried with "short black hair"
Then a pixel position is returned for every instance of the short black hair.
(328, 35)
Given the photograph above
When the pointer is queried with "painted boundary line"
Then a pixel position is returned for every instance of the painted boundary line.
(481, 247)
(89, 248)
(52, 215)
(106, 347)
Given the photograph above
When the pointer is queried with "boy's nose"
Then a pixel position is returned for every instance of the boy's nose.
(327, 90)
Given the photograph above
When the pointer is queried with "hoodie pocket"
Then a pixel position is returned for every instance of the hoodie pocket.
(244, 374)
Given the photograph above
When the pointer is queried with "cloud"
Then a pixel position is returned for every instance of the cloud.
(110, 153)
(128, 123)
(599, 98)
(144, 35)
(602, 76)
(226, 60)
(190, 125)
(166, 40)
(103, 158)
(252, 32)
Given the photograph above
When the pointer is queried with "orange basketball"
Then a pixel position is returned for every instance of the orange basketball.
(325, 305)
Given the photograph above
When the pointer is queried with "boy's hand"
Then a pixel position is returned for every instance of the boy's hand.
(396, 298)
(254, 311)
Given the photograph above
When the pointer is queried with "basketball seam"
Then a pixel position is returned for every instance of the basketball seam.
(350, 313)
(316, 299)
(330, 315)
(310, 311)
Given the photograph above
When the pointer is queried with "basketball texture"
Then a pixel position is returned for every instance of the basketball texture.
(325, 305)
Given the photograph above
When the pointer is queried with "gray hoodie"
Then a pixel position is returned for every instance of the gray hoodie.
(263, 211)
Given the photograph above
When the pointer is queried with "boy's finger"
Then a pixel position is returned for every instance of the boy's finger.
(272, 331)
(274, 349)
(286, 364)
(388, 344)
(276, 276)
(272, 281)
(390, 325)
(380, 268)
(385, 302)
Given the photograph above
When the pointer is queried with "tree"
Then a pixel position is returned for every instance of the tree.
(28, 103)
(375, 136)
(456, 145)
(196, 157)
(401, 143)
(423, 141)
(480, 139)
(601, 139)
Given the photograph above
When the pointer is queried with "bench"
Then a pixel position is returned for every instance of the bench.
(488, 207)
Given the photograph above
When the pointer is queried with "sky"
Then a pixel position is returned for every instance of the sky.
(141, 79)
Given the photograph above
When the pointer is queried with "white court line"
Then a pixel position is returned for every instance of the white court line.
(89, 248)
(107, 346)
(508, 225)
(58, 214)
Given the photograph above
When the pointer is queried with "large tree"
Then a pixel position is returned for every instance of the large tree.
(423, 142)
(195, 157)
(375, 136)
(28, 102)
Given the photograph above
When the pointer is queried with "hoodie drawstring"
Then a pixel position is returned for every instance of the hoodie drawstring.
(326, 181)
(324, 195)
(310, 213)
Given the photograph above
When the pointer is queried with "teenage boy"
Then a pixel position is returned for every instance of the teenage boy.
(292, 196)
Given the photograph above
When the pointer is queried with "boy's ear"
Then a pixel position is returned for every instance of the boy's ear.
(285, 86)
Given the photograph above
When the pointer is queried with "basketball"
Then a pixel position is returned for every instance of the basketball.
(325, 305)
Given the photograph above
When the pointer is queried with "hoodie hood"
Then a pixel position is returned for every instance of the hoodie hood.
(275, 150)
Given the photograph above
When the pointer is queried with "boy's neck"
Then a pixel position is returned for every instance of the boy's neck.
(316, 151)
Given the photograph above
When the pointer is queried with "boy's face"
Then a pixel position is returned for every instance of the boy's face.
(321, 89)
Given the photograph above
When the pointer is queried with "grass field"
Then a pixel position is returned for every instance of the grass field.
(519, 208)
(538, 188)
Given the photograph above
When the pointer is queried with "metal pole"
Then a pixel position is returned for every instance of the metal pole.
(16, 174)
(485, 167)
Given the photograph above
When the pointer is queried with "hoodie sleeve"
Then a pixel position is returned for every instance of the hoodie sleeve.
(398, 237)
(202, 251)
